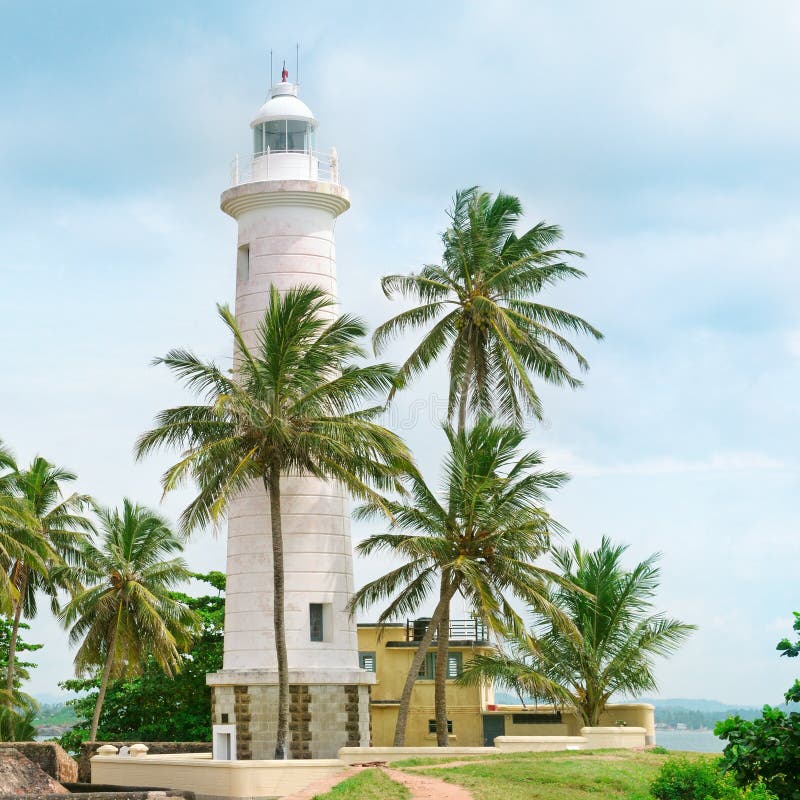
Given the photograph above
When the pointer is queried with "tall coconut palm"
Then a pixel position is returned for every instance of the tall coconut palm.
(61, 525)
(126, 612)
(293, 404)
(478, 537)
(19, 537)
(481, 307)
(614, 640)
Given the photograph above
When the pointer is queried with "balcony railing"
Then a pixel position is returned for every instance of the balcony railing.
(281, 165)
(470, 630)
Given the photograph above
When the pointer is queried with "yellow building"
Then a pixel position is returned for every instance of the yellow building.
(473, 717)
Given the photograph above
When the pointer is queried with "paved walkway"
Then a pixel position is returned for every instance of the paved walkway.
(424, 788)
(323, 785)
(421, 787)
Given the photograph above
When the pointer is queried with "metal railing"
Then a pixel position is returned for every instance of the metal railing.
(286, 165)
(471, 630)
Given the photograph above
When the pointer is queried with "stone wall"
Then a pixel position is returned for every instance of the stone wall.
(18, 774)
(322, 718)
(88, 749)
(50, 757)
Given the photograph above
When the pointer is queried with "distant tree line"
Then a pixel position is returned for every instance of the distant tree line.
(696, 720)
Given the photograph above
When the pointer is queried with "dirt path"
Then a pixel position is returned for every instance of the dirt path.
(449, 764)
(424, 788)
(323, 785)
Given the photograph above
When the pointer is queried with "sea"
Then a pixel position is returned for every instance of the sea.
(694, 741)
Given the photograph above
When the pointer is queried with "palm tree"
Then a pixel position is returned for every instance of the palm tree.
(614, 640)
(479, 537)
(126, 612)
(19, 537)
(292, 404)
(60, 528)
(480, 305)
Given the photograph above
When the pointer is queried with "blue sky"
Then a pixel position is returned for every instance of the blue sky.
(663, 137)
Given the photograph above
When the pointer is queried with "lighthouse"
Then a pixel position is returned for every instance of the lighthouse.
(286, 200)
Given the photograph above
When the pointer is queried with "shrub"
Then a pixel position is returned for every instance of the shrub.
(681, 779)
(766, 751)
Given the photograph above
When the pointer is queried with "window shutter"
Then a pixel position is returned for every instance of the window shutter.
(367, 661)
(453, 665)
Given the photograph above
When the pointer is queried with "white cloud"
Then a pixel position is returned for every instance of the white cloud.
(718, 463)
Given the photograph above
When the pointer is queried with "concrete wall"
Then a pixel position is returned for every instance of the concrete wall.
(359, 755)
(616, 737)
(88, 749)
(213, 780)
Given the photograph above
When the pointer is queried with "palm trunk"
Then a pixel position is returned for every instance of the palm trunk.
(413, 672)
(440, 689)
(273, 487)
(462, 403)
(98, 706)
(20, 580)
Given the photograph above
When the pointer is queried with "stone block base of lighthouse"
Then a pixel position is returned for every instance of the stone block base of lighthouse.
(326, 712)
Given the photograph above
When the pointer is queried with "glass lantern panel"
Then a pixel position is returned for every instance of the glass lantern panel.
(258, 140)
(275, 135)
(296, 136)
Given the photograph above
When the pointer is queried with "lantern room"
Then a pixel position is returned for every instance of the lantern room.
(284, 124)
(284, 142)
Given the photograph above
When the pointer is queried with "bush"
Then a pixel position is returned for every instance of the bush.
(766, 751)
(681, 779)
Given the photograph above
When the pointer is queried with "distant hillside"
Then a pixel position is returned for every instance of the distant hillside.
(691, 704)
(54, 719)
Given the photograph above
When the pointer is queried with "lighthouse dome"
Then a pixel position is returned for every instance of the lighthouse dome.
(284, 123)
(284, 104)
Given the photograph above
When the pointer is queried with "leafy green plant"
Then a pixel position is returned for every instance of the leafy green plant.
(609, 648)
(479, 536)
(682, 779)
(154, 707)
(295, 402)
(767, 750)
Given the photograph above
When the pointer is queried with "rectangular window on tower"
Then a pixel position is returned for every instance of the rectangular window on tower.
(243, 263)
(316, 622)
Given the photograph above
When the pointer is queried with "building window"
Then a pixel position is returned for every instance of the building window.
(536, 719)
(315, 618)
(432, 726)
(243, 263)
(453, 665)
(367, 661)
(427, 670)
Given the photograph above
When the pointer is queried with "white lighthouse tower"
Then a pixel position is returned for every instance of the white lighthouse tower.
(286, 201)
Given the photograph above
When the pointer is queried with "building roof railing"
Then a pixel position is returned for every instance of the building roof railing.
(469, 630)
(286, 165)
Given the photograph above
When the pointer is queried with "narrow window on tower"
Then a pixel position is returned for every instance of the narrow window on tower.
(315, 618)
(243, 263)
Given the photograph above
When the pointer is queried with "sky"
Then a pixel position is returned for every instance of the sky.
(662, 137)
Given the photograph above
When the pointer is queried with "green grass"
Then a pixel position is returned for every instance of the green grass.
(574, 775)
(371, 784)
(580, 775)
